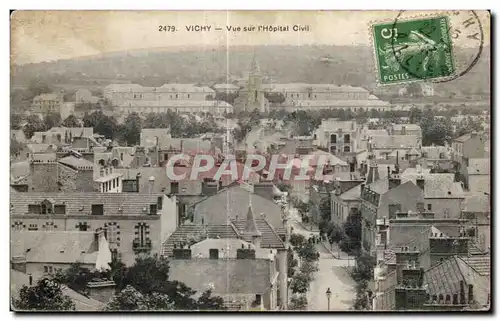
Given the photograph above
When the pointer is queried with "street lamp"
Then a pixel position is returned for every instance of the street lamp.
(328, 296)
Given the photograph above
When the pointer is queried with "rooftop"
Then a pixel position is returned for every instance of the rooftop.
(81, 203)
(233, 201)
(54, 247)
(77, 163)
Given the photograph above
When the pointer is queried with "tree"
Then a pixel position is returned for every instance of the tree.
(149, 275)
(300, 283)
(298, 302)
(101, 123)
(33, 124)
(130, 131)
(129, 299)
(297, 240)
(291, 263)
(416, 115)
(308, 252)
(52, 120)
(71, 121)
(46, 295)
(15, 121)
(275, 97)
(363, 270)
(207, 302)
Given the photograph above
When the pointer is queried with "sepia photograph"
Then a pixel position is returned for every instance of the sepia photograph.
(250, 161)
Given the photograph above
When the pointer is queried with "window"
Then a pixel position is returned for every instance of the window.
(214, 254)
(333, 149)
(112, 230)
(34, 209)
(33, 227)
(429, 207)
(333, 139)
(153, 209)
(82, 226)
(121, 157)
(59, 209)
(141, 234)
(174, 187)
(114, 162)
(347, 139)
(97, 209)
(114, 183)
(347, 149)
(189, 96)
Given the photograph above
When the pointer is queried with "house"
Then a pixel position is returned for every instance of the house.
(226, 88)
(243, 260)
(43, 253)
(383, 199)
(465, 147)
(19, 279)
(47, 103)
(412, 249)
(442, 194)
(478, 177)
(338, 137)
(388, 146)
(134, 223)
(477, 210)
(85, 96)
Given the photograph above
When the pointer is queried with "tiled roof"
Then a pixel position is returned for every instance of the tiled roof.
(480, 263)
(185, 233)
(410, 235)
(352, 194)
(444, 278)
(49, 157)
(80, 203)
(269, 237)
(436, 185)
(82, 303)
(54, 247)
(333, 125)
(223, 275)
(77, 163)
(233, 201)
(479, 166)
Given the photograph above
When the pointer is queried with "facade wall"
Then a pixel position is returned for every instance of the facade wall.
(444, 207)
(479, 183)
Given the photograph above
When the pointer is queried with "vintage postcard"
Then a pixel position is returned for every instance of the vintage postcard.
(250, 161)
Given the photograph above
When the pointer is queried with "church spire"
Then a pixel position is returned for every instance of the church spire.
(254, 67)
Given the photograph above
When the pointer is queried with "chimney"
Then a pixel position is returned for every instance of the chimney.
(151, 184)
(137, 180)
(159, 203)
(470, 294)
(394, 181)
(373, 174)
(421, 182)
(462, 292)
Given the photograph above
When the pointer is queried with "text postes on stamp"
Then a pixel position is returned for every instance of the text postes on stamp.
(413, 50)
(434, 48)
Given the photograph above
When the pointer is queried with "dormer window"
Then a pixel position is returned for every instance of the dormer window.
(46, 207)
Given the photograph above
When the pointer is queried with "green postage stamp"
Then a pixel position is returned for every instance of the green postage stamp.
(412, 50)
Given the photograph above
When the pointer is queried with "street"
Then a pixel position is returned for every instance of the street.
(332, 274)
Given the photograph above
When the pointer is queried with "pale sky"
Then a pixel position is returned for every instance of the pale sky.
(38, 36)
